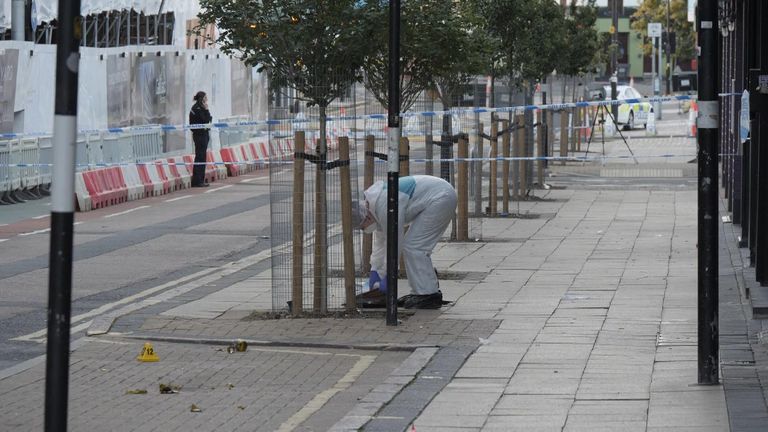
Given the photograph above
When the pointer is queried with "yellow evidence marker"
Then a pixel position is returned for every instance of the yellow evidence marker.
(148, 354)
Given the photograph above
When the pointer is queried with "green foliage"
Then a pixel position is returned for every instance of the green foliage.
(582, 49)
(425, 28)
(460, 54)
(656, 11)
(489, 49)
(532, 33)
(314, 46)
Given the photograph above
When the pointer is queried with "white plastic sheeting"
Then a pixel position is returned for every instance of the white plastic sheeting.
(48, 9)
(128, 86)
(35, 85)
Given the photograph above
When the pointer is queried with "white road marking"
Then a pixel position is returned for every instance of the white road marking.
(183, 285)
(218, 189)
(3, 240)
(322, 398)
(108, 306)
(77, 223)
(179, 198)
(125, 212)
(41, 216)
(34, 232)
(39, 336)
(253, 179)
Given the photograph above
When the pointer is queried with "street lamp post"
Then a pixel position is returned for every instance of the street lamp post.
(393, 144)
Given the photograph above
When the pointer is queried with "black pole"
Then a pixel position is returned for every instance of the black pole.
(62, 216)
(708, 124)
(614, 57)
(393, 186)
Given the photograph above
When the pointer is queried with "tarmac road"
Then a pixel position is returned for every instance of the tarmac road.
(121, 251)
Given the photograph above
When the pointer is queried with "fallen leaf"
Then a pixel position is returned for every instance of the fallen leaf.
(136, 391)
(230, 386)
(195, 408)
(240, 407)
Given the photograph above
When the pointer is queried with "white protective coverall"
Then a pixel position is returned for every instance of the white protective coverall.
(426, 204)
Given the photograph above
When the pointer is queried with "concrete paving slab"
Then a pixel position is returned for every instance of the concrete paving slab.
(524, 423)
(548, 379)
(688, 409)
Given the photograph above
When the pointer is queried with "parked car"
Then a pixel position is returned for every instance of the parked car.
(630, 114)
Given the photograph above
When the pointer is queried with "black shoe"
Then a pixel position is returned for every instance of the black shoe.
(428, 301)
(201, 185)
(401, 301)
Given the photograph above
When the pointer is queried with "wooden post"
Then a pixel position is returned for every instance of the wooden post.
(540, 149)
(574, 124)
(579, 121)
(505, 167)
(405, 149)
(462, 219)
(550, 132)
(297, 219)
(522, 152)
(370, 146)
(478, 174)
(522, 186)
(492, 204)
(346, 225)
(563, 135)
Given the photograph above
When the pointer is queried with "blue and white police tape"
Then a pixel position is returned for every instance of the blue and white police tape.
(359, 162)
(457, 111)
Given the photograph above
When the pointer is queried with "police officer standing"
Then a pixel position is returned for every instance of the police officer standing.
(199, 114)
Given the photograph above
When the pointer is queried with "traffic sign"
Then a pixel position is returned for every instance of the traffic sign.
(654, 29)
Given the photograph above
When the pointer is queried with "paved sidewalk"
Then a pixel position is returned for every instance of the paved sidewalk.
(581, 317)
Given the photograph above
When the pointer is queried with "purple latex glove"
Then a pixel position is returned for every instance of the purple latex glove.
(374, 278)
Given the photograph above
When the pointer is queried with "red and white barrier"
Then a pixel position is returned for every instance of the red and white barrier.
(103, 187)
(229, 156)
(133, 182)
(182, 177)
(82, 195)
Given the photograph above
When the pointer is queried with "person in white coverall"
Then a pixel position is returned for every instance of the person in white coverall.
(426, 205)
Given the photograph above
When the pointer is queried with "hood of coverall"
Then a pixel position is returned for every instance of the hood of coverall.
(372, 195)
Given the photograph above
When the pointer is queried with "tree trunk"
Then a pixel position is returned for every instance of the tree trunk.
(565, 85)
(492, 96)
(575, 79)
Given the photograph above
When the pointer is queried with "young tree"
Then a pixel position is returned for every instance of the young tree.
(462, 51)
(532, 32)
(580, 51)
(421, 36)
(489, 47)
(316, 47)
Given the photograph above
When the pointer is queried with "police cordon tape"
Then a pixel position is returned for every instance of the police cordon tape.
(360, 162)
(407, 114)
